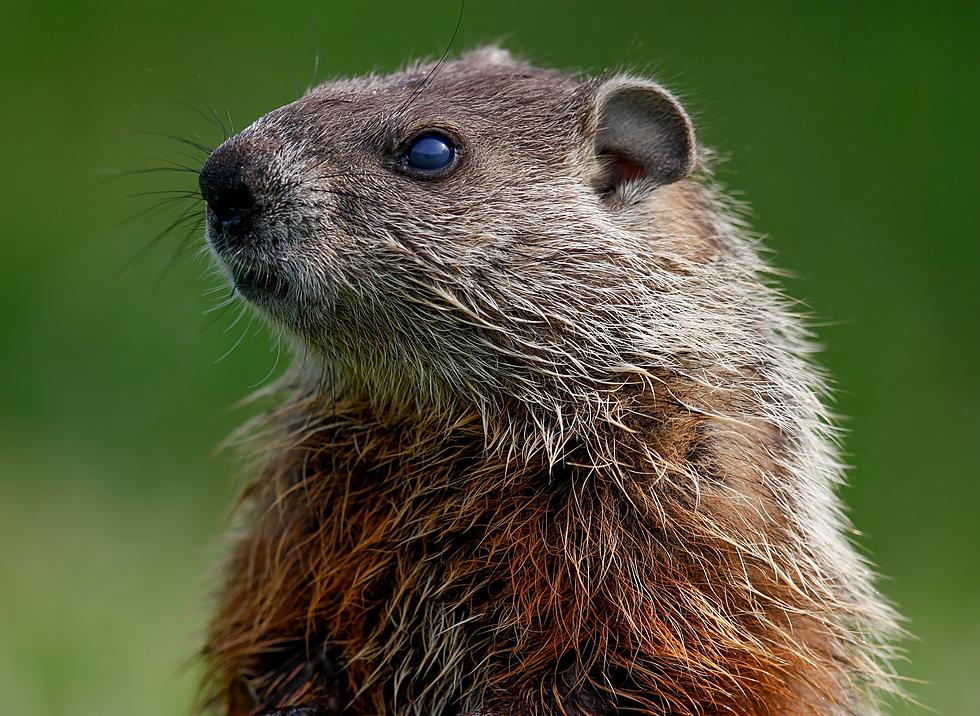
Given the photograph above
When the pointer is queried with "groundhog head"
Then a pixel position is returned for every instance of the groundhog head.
(478, 227)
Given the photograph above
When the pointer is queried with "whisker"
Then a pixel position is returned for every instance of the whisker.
(184, 192)
(241, 337)
(196, 162)
(195, 228)
(219, 125)
(223, 288)
(151, 170)
(241, 314)
(316, 68)
(438, 66)
(222, 309)
(171, 163)
(182, 140)
(156, 207)
(277, 345)
(210, 115)
(183, 218)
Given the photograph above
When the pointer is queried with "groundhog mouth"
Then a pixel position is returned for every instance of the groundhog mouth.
(258, 285)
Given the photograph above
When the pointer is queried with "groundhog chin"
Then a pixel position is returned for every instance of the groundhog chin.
(253, 266)
(259, 286)
(286, 297)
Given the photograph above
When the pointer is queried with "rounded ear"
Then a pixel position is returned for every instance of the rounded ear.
(642, 132)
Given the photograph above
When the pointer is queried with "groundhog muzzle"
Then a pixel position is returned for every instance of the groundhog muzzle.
(552, 442)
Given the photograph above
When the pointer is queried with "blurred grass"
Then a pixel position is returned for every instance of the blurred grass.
(99, 611)
(851, 129)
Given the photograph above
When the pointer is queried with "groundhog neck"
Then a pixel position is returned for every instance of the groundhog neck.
(407, 545)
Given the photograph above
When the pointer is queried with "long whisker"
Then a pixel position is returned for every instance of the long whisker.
(275, 365)
(438, 66)
(151, 170)
(193, 167)
(241, 337)
(210, 115)
(156, 207)
(187, 216)
(220, 310)
(187, 193)
(194, 229)
(204, 149)
(241, 314)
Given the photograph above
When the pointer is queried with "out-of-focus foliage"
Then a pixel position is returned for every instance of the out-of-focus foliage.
(851, 128)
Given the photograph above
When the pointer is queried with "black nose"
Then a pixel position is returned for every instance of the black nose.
(225, 188)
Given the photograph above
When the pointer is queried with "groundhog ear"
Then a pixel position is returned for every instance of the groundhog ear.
(641, 132)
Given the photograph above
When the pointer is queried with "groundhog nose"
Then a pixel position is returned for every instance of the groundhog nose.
(225, 188)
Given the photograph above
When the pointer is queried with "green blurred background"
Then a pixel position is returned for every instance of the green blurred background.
(850, 128)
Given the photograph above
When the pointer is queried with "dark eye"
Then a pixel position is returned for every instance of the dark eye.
(430, 153)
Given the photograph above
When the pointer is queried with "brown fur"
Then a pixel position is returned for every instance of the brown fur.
(586, 594)
(653, 548)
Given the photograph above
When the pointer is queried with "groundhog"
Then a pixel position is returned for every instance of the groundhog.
(553, 442)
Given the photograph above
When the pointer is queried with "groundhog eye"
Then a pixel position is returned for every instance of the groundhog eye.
(430, 153)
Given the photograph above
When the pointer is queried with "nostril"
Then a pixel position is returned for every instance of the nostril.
(225, 214)
(231, 205)
(224, 187)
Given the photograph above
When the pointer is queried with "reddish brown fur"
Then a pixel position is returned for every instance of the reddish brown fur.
(365, 519)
